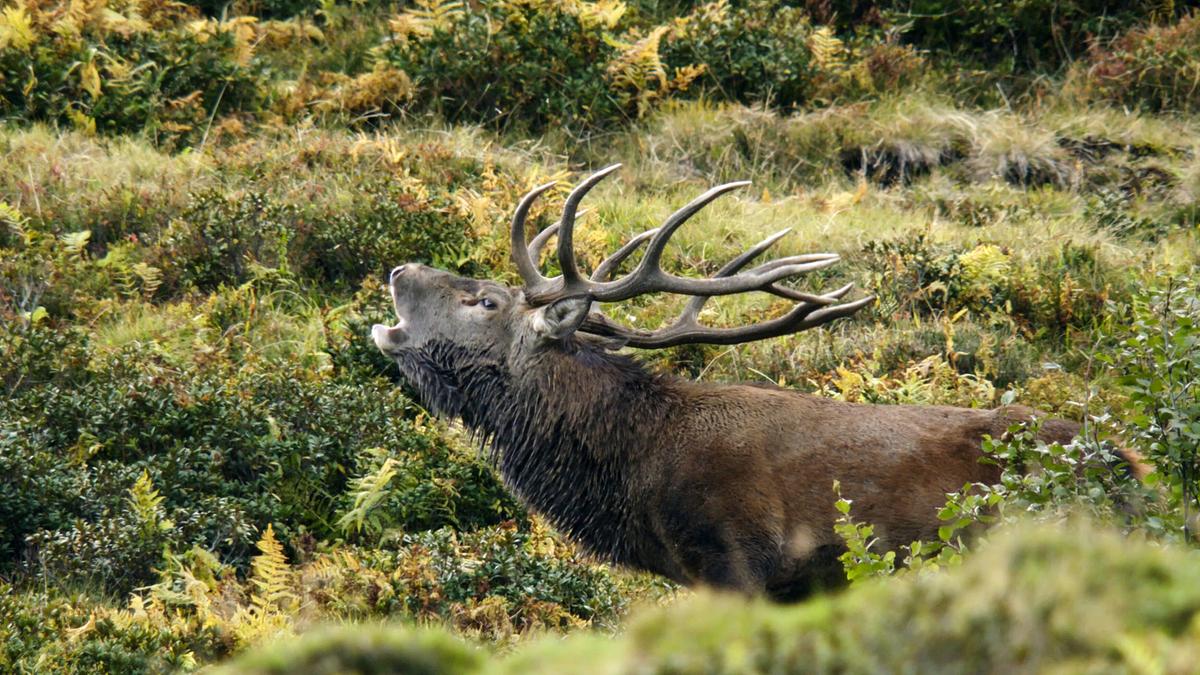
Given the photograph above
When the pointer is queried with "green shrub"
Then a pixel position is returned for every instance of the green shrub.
(1025, 36)
(1152, 67)
(577, 66)
(117, 67)
(1053, 293)
(534, 63)
(228, 238)
(267, 9)
(1158, 362)
(499, 580)
(388, 224)
(219, 237)
(434, 489)
(757, 52)
(228, 452)
(767, 52)
(60, 633)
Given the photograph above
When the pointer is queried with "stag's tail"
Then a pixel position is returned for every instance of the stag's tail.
(1134, 464)
(1063, 432)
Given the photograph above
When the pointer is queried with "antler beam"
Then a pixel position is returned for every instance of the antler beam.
(649, 277)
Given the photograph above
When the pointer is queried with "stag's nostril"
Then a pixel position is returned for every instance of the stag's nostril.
(396, 272)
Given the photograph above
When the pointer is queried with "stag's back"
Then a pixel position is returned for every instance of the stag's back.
(781, 451)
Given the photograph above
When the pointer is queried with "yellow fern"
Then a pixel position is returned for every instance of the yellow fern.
(12, 219)
(271, 577)
(828, 51)
(146, 502)
(16, 29)
(637, 72)
(428, 16)
(150, 277)
(983, 267)
(602, 14)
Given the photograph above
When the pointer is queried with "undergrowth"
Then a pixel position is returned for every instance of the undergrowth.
(201, 452)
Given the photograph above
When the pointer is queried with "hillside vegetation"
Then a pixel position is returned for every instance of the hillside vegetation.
(202, 453)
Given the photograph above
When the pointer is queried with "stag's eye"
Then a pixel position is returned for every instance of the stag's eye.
(487, 303)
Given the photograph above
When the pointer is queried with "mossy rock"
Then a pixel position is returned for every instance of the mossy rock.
(357, 649)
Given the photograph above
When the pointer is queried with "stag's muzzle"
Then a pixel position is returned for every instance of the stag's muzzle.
(389, 338)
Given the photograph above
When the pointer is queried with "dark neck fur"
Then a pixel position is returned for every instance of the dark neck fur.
(566, 428)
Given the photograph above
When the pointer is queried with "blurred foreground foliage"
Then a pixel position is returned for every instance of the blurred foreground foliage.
(1069, 598)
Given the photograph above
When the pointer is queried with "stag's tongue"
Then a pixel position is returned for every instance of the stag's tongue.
(388, 338)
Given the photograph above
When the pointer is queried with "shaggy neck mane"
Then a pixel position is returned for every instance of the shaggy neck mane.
(563, 429)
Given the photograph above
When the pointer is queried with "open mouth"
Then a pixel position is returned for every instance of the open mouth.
(389, 338)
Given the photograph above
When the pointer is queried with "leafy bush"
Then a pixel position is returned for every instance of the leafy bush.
(1154, 67)
(218, 238)
(228, 453)
(274, 9)
(1024, 36)
(766, 52)
(388, 224)
(577, 65)
(53, 633)
(1015, 36)
(117, 550)
(228, 238)
(1158, 362)
(757, 52)
(536, 63)
(120, 67)
(501, 580)
(1055, 293)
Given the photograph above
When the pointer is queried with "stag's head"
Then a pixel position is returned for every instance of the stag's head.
(448, 323)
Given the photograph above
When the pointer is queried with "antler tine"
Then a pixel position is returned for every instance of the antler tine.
(654, 252)
(800, 296)
(566, 230)
(539, 240)
(687, 327)
(525, 263)
(812, 261)
(649, 277)
(752, 280)
(612, 262)
(691, 311)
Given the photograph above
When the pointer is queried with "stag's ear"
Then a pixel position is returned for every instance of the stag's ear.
(561, 317)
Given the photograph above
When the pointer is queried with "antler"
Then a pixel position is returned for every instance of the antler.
(649, 277)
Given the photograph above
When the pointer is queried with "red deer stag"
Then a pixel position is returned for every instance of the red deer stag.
(724, 484)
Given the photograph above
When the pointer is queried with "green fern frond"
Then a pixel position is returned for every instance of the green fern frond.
(151, 277)
(75, 243)
(438, 14)
(368, 491)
